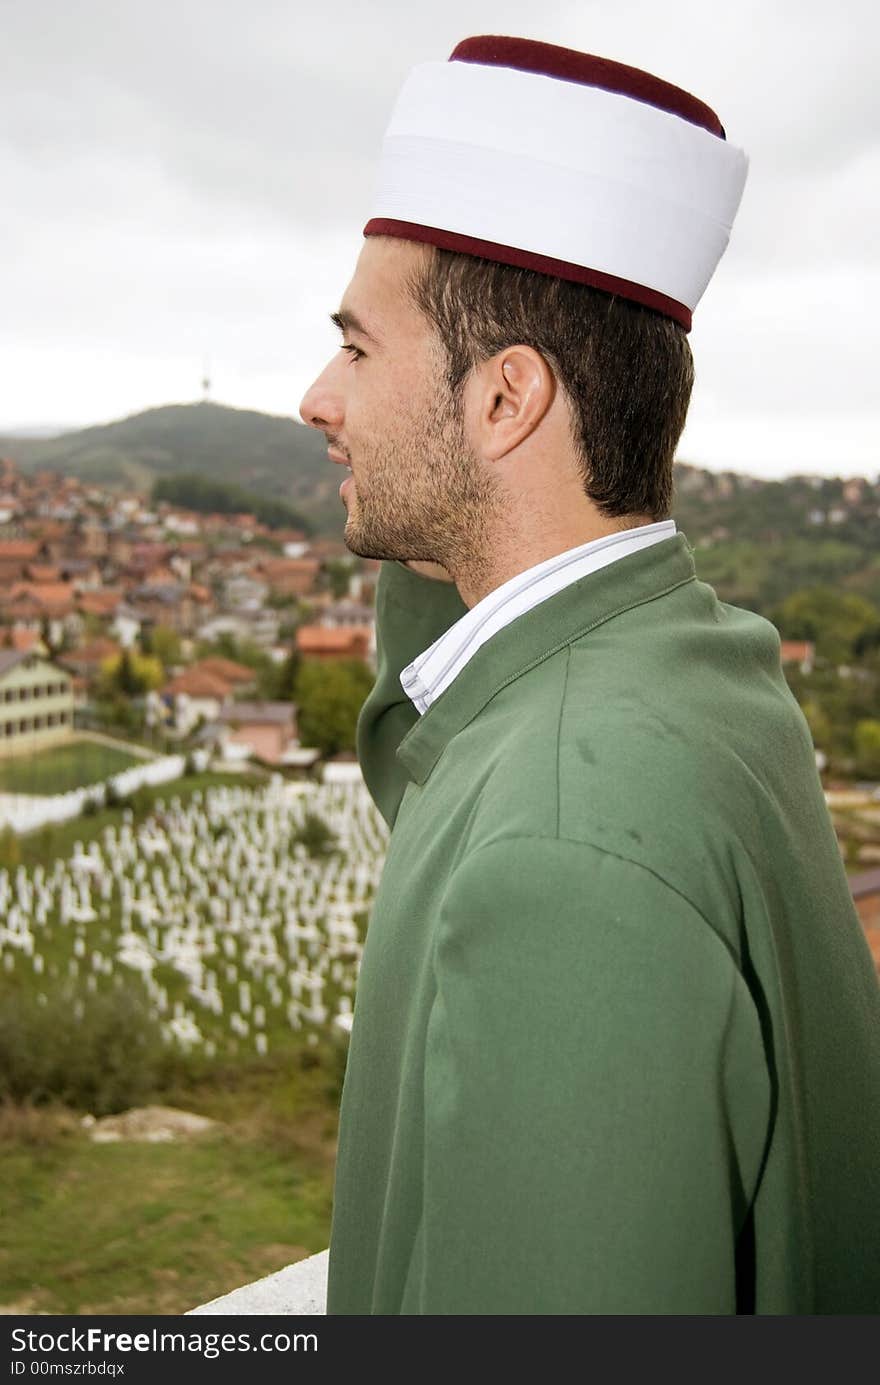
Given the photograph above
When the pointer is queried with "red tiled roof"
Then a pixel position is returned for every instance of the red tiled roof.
(19, 549)
(99, 603)
(195, 682)
(282, 566)
(322, 638)
(796, 651)
(20, 638)
(95, 652)
(46, 593)
(226, 669)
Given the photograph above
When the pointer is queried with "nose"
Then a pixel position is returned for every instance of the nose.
(321, 405)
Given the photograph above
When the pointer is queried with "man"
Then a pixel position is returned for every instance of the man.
(616, 1045)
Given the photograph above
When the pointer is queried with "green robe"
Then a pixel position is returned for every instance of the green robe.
(616, 1041)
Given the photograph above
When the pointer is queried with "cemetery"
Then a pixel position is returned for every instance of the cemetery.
(238, 933)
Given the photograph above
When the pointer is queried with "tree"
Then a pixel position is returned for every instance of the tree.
(164, 645)
(129, 675)
(338, 572)
(841, 624)
(329, 696)
(124, 675)
(316, 836)
(288, 673)
(817, 720)
(867, 747)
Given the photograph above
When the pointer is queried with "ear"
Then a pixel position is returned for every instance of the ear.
(514, 390)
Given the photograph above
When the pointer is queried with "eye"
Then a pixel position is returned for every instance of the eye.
(354, 351)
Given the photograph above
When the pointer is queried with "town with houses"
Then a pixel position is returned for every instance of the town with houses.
(87, 574)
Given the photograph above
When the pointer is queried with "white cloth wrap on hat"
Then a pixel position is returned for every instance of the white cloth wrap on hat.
(558, 169)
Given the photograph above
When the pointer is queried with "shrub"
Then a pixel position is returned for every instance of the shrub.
(10, 849)
(316, 836)
(141, 801)
(111, 1058)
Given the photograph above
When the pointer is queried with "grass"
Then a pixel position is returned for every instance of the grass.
(70, 765)
(137, 1228)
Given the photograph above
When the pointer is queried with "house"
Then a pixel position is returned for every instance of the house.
(291, 576)
(194, 696)
(85, 572)
(341, 642)
(95, 541)
(267, 729)
(854, 490)
(52, 599)
(801, 652)
(241, 591)
(21, 638)
(101, 604)
(329, 548)
(15, 557)
(201, 691)
(169, 604)
(86, 662)
(348, 612)
(239, 677)
(36, 703)
(260, 627)
(126, 625)
(43, 605)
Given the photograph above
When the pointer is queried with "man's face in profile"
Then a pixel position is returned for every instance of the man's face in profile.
(385, 408)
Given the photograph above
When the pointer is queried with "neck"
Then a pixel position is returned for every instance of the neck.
(512, 549)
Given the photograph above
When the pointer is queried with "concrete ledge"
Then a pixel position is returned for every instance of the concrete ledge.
(298, 1290)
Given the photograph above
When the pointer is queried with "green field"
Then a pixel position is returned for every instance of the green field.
(131, 1228)
(71, 765)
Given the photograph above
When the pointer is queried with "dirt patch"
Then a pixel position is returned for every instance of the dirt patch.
(35, 1125)
(310, 1133)
(24, 1306)
(154, 1124)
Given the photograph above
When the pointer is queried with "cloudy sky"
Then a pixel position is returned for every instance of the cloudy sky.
(187, 181)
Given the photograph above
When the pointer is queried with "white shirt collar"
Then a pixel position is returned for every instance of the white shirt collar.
(432, 671)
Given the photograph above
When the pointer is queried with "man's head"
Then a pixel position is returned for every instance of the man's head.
(457, 374)
(524, 367)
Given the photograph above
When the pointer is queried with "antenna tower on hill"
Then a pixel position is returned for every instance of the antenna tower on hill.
(206, 382)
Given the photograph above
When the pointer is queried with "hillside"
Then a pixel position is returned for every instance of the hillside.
(758, 541)
(270, 455)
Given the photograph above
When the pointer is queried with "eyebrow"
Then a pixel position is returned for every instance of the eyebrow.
(347, 321)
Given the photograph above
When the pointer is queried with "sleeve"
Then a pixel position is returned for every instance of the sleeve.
(597, 1094)
(412, 612)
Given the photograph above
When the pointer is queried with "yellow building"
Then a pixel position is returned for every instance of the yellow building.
(36, 702)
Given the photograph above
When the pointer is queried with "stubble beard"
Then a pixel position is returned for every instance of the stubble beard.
(424, 497)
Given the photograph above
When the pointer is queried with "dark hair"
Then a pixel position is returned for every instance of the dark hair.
(626, 370)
